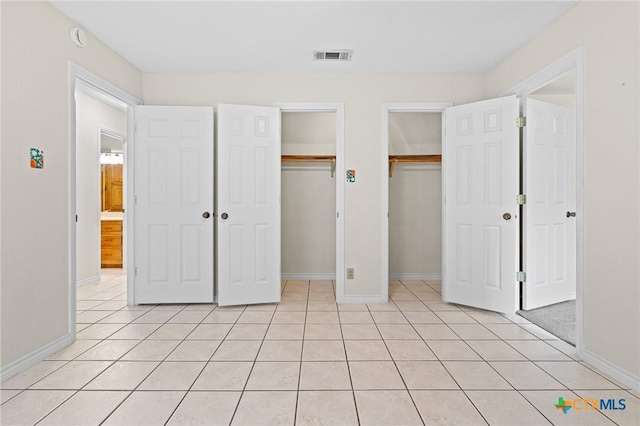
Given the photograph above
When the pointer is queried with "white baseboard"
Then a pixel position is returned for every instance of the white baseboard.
(29, 360)
(89, 280)
(607, 367)
(357, 299)
(307, 277)
(420, 276)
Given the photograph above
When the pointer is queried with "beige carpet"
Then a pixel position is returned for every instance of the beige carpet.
(558, 319)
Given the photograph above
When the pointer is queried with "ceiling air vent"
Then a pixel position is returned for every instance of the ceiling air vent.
(333, 55)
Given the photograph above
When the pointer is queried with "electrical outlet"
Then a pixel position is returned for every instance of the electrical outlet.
(350, 273)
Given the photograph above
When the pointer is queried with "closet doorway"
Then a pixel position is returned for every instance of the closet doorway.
(312, 193)
(412, 194)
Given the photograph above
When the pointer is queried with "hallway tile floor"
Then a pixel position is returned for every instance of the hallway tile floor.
(307, 361)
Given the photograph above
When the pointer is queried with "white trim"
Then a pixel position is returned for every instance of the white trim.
(416, 277)
(572, 62)
(443, 290)
(308, 277)
(112, 133)
(364, 299)
(609, 368)
(130, 209)
(101, 85)
(89, 90)
(384, 183)
(81, 76)
(338, 108)
(87, 281)
(31, 359)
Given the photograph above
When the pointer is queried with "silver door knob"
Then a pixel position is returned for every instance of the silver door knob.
(571, 214)
(224, 215)
(506, 216)
(206, 215)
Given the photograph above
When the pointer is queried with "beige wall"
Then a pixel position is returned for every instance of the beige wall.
(363, 96)
(91, 114)
(35, 203)
(415, 220)
(609, 34)
(308, 220)
(308, 133)
(415, 196)
(415, 133)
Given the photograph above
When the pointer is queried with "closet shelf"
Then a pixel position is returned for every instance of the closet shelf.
(393, 159)
(311, 159)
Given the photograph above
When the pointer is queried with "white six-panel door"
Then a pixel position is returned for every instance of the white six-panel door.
(248, 205)
(173, 197)
(481, 180)
(549, 182)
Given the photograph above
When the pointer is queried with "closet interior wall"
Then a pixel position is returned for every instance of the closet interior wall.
(308, 197)
(415, 197)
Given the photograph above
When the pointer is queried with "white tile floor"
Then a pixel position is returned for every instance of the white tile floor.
(306, 361)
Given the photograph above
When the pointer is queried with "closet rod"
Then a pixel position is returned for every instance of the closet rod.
(393, 159)
(311, 159)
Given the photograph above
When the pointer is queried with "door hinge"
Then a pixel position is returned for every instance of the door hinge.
(76, 218)
(135, 128)
(135, 199)
(521, 199)
(521, 121)
(521, 276)
(135, 271)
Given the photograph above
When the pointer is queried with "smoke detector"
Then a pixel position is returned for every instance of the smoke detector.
(78, 37)
(333, 55)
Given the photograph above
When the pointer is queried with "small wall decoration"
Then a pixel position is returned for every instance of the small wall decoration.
(351, 176)
(37, 158)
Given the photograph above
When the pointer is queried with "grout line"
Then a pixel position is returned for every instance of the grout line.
(384, 342)
(255, 359)
(414, 290)
(304, 330)
(346, 357)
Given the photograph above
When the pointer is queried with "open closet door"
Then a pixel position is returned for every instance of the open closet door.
(248, 207)
(481, 172)
(173, 222)
(550, 224)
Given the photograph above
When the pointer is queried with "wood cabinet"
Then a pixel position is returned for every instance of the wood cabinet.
(111, 253)
(111, 187)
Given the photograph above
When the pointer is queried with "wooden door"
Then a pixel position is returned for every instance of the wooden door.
(112, 194)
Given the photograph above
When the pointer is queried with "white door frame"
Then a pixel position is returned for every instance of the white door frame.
(570, 63)
(103, 130)
(388, 108)
(338, 108)
(80, 75)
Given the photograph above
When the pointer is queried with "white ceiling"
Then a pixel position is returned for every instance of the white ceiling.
(280, 36)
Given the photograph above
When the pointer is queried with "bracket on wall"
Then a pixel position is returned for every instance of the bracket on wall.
(311, 159)
(393, 159)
